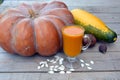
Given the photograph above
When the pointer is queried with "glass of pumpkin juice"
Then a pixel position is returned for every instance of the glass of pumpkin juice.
(72, 45)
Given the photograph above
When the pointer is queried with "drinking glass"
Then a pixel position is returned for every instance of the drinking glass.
(72, 45)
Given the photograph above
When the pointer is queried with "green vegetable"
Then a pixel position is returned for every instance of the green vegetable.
(1, 1)
(93, 25)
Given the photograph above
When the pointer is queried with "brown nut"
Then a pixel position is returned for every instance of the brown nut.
(103, 48)
(92, 38)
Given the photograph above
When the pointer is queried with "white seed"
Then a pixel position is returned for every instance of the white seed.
(51, 72)
(92, 62)
(55, 69)
(46, 65)
(56, 66)
(42, 65)
(62, 72)
(51, 61)
(51, 67)
(54, 62)
(57, 58)
(42, 62)
(87, 64)
(61, 61)
(48, 60)
(62, 67)
(82, 65)
(82, 61)
(72, 69)
(68, 72)
(38, 67)
(89, 68)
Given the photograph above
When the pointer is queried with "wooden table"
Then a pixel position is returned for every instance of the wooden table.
(105, 67)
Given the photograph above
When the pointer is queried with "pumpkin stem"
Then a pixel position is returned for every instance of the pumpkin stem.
(32, 14)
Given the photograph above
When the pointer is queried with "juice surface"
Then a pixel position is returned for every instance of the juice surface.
(73, 31)
(72, 40)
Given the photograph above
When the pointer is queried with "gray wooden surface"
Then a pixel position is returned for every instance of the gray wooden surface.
(106, 66)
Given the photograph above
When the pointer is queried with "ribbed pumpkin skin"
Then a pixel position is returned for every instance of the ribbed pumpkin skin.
(29, 29)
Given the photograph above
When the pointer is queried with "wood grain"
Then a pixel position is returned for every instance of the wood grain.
(16, 63)
(56, 76)
(74, 3)
(105, 67)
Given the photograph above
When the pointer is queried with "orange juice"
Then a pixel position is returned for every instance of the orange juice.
(72, 40)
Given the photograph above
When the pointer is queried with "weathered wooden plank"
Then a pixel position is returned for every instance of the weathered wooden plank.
(98, 9)
(93, 9)
(96, 5)
(95, 76)
(106, 66)
(102, 62)
(108, 18)
(56, 76)
(78, 2)
(114, 27)
(39, 76)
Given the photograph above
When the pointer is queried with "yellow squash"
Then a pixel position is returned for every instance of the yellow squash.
(93, 25)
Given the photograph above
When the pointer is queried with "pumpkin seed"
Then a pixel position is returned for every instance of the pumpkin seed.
(61, 61)
(87, 64)
(38, 67)
(51, 67)
(61, 67)
(82, 61)
(55, 69)
(62, 72)
(92, 62)
(89, 68)
(82, 65)
(51, 72)
(72, 69)
(68, 72)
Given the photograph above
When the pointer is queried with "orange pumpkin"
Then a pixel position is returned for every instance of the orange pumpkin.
(28, 29)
